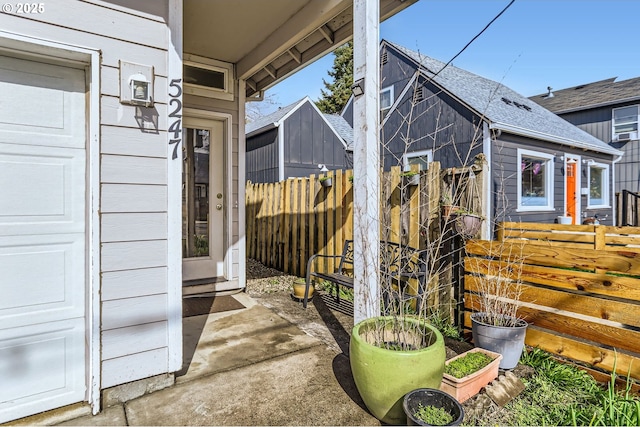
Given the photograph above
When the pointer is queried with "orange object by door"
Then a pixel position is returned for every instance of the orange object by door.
(570, 202)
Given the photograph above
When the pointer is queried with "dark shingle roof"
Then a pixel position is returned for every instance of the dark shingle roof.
(271, 119)
(590, 95)
(342, 127)
(504, 108)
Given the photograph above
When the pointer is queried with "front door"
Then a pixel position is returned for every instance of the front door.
(572, 185)
(42, 237)
(203, 199)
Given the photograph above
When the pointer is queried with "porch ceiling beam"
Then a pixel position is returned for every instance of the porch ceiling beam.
(341, 35)
(252, 85)
(271, 70)
(295, 54)
(315, 14)
(327, 33)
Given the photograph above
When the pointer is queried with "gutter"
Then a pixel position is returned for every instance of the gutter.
(553, 138)
(262, 129)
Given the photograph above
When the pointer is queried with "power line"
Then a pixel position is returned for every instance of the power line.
(474, 38)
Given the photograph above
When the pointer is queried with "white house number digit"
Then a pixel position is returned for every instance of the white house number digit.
(175, 127)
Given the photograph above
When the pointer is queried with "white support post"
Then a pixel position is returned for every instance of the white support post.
(366, 160)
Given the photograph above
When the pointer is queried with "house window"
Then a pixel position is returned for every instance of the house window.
(625, 123)
(386, 98)
(208, 77)
(421, 158)
(535, 181)
(598, 185)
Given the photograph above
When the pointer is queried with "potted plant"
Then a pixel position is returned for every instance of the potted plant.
(411, 178)
(466, 374)
(448, 207)
(430, 407)
(299, 286)
(392, 355)
(467, 223)
(496, 326)
(326, 181)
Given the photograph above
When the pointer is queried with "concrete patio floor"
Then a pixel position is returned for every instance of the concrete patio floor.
(247, 367)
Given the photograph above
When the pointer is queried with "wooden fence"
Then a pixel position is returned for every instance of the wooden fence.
(291, 220)
(580, 292)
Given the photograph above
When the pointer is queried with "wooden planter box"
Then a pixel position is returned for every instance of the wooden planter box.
(467, 387)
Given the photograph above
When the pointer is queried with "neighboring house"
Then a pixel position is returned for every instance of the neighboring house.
(294, 140)
(104, 104)
(537, 161)
(610, 111)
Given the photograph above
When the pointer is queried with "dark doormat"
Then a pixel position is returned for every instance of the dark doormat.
(196, 306)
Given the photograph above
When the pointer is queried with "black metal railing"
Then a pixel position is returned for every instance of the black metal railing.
(628, 213)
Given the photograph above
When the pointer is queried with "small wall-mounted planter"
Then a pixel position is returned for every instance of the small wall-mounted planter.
(326, 181)
(467, 387)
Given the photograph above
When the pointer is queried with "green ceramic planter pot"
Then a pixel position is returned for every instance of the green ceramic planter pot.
(383, 377)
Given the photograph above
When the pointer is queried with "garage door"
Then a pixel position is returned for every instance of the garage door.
(42, 237)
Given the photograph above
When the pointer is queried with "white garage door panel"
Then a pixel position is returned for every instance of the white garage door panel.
(41, 363)
(44, 101)
(43, 190)
(37, 283)
(43, 258)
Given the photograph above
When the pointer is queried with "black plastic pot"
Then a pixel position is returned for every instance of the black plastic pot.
(431, 397)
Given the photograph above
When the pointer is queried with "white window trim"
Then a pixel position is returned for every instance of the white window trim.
(613, 122)
(548, 181)
(226, 68)
(391, 99)
(413, 154)
(605, 185)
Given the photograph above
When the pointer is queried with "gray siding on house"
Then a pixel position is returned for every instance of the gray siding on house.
(504, 183)
(440, 123)
(628, 168)
(598, 122)
(262, 157)
(309, 141)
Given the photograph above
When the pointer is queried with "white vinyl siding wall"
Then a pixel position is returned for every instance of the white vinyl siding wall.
(133, 177)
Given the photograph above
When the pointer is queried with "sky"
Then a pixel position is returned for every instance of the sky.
(533, 45)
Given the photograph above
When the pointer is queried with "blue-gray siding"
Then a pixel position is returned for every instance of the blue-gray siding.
(504, 184)
(597, 122)
(262, 157)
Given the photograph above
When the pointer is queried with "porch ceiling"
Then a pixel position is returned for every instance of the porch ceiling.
(269, 40)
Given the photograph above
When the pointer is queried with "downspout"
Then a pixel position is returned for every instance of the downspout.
(613, 196)
(486, 183)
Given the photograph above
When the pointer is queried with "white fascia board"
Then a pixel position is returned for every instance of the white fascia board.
(293, 110)
(552, 138)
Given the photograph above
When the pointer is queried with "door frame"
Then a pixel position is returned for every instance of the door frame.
(89, 59)
(578, 176)
(227, 160)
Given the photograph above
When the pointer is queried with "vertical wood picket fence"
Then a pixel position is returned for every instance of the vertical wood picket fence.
(291, 220)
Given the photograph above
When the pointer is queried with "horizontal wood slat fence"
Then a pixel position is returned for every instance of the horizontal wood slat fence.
(580, 292)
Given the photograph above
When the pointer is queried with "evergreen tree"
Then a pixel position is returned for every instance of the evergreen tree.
(337, 93)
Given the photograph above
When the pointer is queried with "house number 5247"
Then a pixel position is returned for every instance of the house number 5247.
(175, 116)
